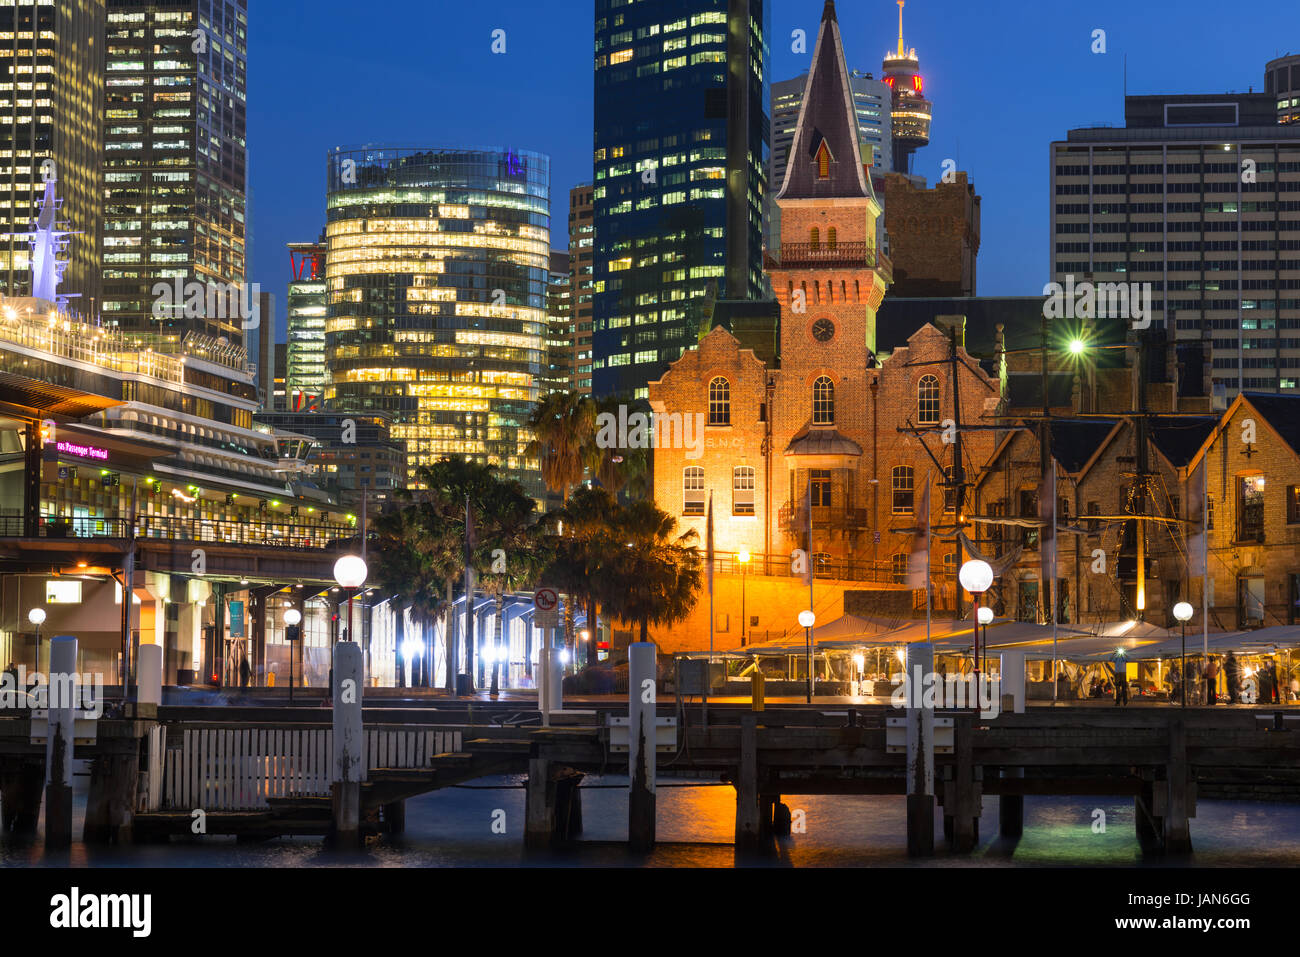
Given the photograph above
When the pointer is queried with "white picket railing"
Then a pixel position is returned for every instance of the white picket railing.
(242, 769)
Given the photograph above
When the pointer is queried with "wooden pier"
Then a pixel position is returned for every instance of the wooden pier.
(259, 778)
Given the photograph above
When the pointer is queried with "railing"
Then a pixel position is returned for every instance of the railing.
(281, 534)
(240, 769)
(780, 566)
(837, 517)
(839, 254)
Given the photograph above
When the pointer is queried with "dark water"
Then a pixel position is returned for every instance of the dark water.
(454, 827)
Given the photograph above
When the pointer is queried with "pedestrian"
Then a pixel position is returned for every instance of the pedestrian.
(1232, 675)
(1266, 684)
(1211, 681)
(245, 672)
(1121, 676)
(1275, 690)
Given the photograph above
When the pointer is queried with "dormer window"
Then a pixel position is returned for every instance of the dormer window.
(823, 161)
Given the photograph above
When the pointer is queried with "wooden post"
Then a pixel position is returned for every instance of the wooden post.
(1150, 831)
(395, 817)
(746, 782)
(539, 805)
(347, 766)
(568, 805)
(110, 807)
(148, 683)
(920, 752)
(1011, 807)
(965, 809)
(642, 758)
(24, 782)
(63, 701)
(1178, 836)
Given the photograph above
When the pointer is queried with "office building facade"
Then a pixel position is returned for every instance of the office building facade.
(175, 170)
(559, 325)
(436, 276)
(679, 181)
(1282, 79)
(51, 127)
(306, 308)
(582, 233)
(1199, 196)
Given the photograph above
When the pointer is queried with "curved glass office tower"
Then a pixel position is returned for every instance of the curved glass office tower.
(436, 274)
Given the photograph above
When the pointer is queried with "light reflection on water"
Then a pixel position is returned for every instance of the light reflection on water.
(453, 827)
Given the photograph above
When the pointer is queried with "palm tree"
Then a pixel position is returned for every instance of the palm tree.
(447, 484)
(654, 576)
(579, 557)
(564, 424)
(416, 553)
(510, 548)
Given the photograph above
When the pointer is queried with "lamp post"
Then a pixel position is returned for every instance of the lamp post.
(1183, 612)
(976, 576)
(743, 558)
(292, 635)
(350, 572)
(37, 617)
(807, 619)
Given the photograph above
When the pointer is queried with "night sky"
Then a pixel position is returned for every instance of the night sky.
(1005, 78)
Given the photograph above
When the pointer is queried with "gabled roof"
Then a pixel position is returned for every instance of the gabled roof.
(826, 116)
(1281, 414)
(1179, 438)
(1074, 441)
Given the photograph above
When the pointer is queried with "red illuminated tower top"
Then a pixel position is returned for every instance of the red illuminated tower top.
(910, 110)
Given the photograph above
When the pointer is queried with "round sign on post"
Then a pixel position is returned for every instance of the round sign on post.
(547, 603)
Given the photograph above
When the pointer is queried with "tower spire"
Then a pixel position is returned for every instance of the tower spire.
(902, 50)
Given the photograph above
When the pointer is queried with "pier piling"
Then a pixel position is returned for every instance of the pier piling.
(642, 758)
(63, 699)
(348, 737)
(1178, 836)
(748, 829)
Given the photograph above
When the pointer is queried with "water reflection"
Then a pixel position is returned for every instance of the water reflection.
(453, 827)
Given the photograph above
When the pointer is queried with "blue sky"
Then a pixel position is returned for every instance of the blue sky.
(1006, 79)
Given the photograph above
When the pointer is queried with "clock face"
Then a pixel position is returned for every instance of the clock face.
(823, 330)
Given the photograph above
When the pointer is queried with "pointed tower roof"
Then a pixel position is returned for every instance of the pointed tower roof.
(826, 137)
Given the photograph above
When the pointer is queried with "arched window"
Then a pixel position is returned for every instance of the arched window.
(901, 560)
(815, 238)
(830, 237)
(927, 394)
(904, 493)
(719, 401)
(693, 490)
(823, 401)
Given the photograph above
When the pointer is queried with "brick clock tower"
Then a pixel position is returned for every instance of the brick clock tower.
(828, 274)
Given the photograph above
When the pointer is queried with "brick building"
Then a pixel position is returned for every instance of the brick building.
(934, 236)
(825, 421)
(1254, 518)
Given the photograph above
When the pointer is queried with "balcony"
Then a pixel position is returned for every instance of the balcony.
(834, 517)
(848, 255)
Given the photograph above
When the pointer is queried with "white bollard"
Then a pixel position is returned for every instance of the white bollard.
(544, 684)
(555, 699)
(149, 675)
(348, 741)
(920, 749)
(1013, 679)
(62, 701)
(643, 693)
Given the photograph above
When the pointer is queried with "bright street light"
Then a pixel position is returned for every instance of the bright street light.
(350, 571)
(1077, 346)
(1183, 612)
(976, 576)
(807, 619)
(985, 615)
(36, 616)
(292, 617)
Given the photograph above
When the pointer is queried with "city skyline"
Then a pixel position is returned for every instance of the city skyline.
(1053, 46)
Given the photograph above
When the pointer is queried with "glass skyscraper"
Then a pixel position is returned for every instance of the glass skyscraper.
(51, 109)
(437, 271)
(681, 136)
(175, 159)
(305, 373)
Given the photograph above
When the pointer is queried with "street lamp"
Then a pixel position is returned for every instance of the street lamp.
(37, 617)
(743, 558)
(1183, 612)
(976, 576)
(350, 572)
(807, 619)
(291, 618)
